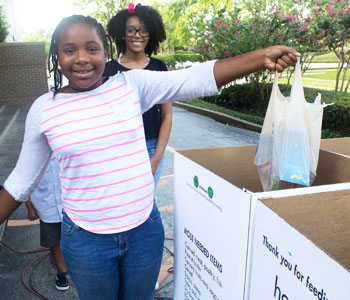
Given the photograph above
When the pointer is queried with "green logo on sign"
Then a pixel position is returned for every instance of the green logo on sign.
(196, 181)
(210, 192)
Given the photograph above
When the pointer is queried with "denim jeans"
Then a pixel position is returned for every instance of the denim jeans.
(151, 148)
(121, 266)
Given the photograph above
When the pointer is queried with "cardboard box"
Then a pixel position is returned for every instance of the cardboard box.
(300, 248)
(338, 145)
(222, 216)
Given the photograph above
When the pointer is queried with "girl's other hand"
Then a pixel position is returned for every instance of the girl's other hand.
(32, 212)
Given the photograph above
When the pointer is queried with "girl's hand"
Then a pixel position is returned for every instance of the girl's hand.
(278, 58)
(32, 212)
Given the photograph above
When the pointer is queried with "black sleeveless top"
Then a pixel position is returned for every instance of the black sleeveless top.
(151, 118)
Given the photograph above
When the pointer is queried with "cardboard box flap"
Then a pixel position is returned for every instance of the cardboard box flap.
(234, 164)
(338, 145)
(323, 218)
(332, 168)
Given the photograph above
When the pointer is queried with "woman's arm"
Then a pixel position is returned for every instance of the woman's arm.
(164, 133)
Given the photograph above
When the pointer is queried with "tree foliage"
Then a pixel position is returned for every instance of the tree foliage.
(180, 16)
(104, 10)
(332, 21)
(254, 25)
(3, 26)
(40, 35)
(175, 19)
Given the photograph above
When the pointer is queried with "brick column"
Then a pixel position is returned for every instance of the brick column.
(22, 73)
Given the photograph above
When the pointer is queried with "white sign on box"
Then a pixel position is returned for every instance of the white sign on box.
(211, 235)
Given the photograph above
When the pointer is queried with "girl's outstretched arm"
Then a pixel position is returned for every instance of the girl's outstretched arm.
(7, 205)
(272, 58)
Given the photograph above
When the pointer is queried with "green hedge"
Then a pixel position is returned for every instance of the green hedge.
(168, 59)
(179, 56)
(253, 99)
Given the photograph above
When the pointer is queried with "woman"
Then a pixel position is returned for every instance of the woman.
(137, 33)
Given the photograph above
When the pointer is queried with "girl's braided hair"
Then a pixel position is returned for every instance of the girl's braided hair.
(53, 64)
(152, 20)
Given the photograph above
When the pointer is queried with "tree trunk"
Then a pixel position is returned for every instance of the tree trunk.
(343, 79)
(339, 69)
(347, 68)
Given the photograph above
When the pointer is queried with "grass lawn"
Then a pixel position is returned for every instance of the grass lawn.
(319, 78)
(313, 83)
(326, 74)
(326, 58)
(322, 74)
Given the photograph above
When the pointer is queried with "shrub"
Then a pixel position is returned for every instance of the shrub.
(336, 120)
(168, 59)
(180, 56)
(183, 56)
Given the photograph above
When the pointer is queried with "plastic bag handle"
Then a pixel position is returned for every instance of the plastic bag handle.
(297, 86)
(275, 83)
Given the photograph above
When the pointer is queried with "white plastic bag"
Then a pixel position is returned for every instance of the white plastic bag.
(289, 144)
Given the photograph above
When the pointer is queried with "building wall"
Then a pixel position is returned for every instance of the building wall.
(22, 73)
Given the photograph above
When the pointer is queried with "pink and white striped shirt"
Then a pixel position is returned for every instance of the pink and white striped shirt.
(98, 139)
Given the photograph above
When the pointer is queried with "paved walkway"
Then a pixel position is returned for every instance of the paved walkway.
(323, 65)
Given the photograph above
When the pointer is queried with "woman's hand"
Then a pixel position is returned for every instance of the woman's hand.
(154, 164)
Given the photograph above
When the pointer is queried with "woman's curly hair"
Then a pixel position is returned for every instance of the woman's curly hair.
(152, 20)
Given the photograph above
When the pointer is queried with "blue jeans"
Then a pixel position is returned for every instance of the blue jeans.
(151, 148)
(120, 266)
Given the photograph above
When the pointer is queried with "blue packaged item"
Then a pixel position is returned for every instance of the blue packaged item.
(295, 167)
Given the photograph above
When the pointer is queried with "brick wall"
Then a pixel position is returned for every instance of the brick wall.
(22, 73)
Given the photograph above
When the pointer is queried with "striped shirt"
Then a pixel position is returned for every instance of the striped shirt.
(98, 140)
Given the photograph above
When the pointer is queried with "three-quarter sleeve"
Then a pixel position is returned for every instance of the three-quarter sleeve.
(33, 159)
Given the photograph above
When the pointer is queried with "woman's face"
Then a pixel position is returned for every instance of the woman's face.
(138, 42)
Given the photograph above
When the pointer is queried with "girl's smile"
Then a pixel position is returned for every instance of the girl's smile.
(82, 57)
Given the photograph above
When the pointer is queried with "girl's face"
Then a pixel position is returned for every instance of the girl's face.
(82, 57)
(136, 43)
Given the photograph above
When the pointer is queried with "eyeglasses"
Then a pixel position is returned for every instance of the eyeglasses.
(132, 32)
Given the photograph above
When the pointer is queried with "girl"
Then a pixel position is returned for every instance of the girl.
(46, 203)
(137, 32)
(112, 234)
